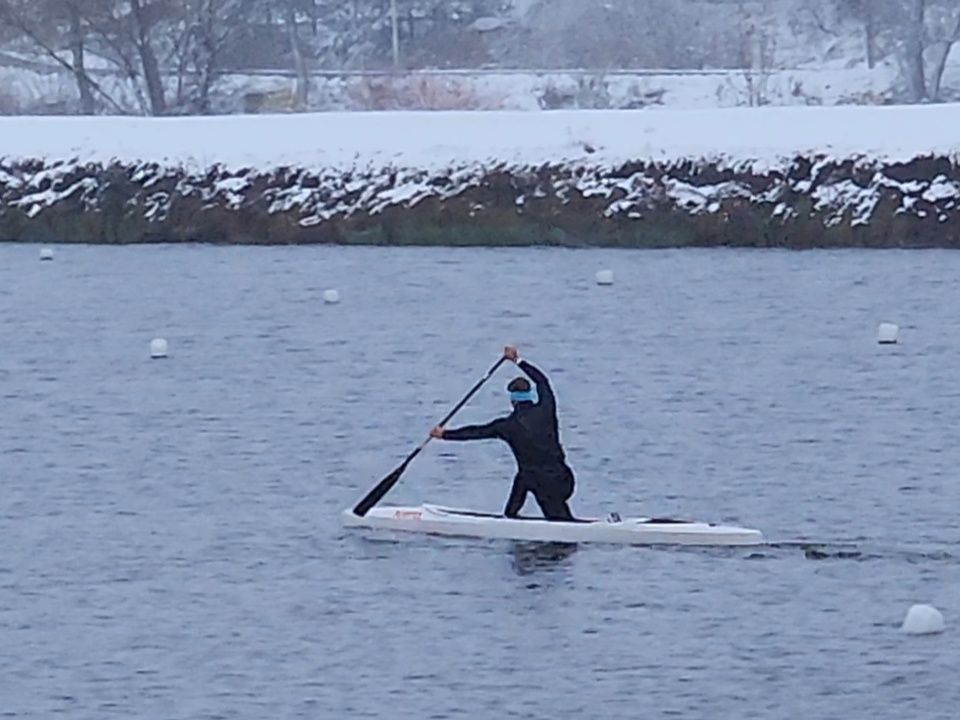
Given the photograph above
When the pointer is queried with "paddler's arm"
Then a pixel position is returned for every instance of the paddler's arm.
(495, 429)
(545, 394)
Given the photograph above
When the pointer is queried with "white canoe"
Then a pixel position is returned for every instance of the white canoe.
(436, 520)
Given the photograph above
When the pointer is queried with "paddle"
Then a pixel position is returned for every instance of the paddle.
(383, 487)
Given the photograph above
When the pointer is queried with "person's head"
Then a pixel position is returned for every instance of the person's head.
(519, 389)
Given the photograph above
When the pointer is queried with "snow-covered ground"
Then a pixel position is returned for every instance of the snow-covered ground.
(548, 90)
(438, 140)
(23, 91)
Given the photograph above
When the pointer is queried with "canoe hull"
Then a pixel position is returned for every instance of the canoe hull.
(438, 520)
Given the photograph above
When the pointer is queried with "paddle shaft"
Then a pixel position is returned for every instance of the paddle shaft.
(384, 486)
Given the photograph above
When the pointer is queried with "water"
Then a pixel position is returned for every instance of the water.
(171, 541)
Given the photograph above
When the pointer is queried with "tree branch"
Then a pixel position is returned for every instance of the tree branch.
(21, 24)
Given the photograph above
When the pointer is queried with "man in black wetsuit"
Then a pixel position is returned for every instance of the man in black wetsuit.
(531, 432)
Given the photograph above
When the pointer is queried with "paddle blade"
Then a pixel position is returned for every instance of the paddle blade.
(381, 489)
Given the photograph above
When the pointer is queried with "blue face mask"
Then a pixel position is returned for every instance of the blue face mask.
(521, 396)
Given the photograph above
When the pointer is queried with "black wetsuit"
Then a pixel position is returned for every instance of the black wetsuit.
(531, 432)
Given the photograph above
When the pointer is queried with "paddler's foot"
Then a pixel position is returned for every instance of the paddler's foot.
(613, 517)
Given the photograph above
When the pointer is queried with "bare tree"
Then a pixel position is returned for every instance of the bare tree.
(296, 51)
(920, 34)
(106, 28)
(912, 43)
(828, 16)
(52, 25)
(142, 21)
(942, 24)
(923, 33)
(208, 27)
(77, 41)
(757, 51)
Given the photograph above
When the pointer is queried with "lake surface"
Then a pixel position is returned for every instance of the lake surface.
(172, 546)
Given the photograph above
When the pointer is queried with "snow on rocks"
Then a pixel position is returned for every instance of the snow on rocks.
(791, 163)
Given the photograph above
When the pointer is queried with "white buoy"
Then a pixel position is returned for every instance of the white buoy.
(923, 620)
(331, 296)
(887, 333)
(158, 348)
(604, 277)
(46, 253)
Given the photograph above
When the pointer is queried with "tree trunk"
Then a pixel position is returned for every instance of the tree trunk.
(85, 87)
(916, 83)
(206, 55)
(151, 68)
(394, 35)
(870, 30)
(943, 49)
(299, 64)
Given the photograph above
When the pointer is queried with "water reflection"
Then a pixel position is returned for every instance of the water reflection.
(528, 558)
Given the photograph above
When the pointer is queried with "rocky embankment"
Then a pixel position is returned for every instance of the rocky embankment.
(814, 201)
(565, 180)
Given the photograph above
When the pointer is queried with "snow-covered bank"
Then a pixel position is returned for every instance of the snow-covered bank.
(430, 140)
(349, 176)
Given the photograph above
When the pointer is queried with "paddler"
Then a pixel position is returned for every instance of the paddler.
(532, 433)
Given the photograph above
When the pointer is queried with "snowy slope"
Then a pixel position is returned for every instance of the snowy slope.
(436, 140)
